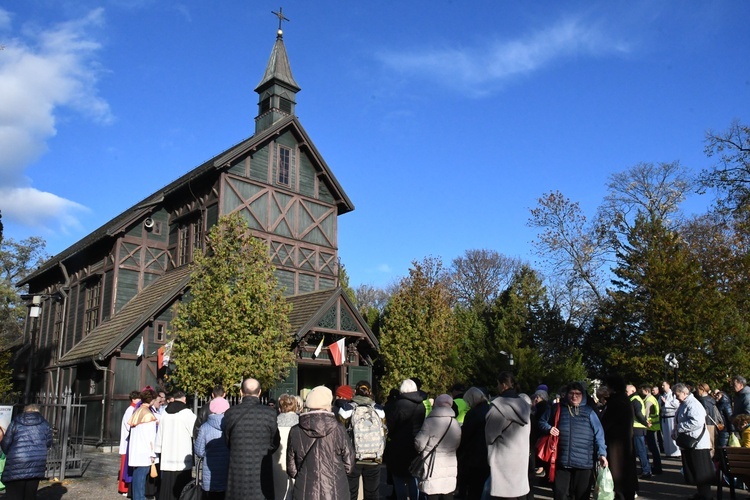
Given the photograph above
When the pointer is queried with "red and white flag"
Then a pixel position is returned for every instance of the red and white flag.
(337, 350)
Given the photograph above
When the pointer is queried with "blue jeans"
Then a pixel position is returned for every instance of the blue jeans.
(404, 485)
(138, 486)
(640, 450)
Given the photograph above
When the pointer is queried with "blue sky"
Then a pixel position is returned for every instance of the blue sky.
(443, 121)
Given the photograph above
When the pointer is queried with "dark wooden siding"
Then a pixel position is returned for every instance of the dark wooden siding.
(306, 176)
(324, 194)
(212, 216)
(70, 320)
(127, 286)
(306, 283)
(286, 281)
(259, 165)
(107, 289)
(80, 314)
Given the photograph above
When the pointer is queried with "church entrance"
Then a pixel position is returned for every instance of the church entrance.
(309, 376)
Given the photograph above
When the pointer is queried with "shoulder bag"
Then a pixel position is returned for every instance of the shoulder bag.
(546, 447)
(688, 442)
(421, 466)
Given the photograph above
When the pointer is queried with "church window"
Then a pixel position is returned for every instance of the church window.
(265, 105)
(190, 241)
(284, 166)
(285, 105)
(93, 294)
(160, 331)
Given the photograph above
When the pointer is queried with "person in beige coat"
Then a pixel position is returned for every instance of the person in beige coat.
(507, 436)
(440, 424)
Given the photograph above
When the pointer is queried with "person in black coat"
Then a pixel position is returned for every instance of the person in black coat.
(617, 421)
(252, 435)
(404, 419)
(25, 445)
(724, 405)
(473, 467)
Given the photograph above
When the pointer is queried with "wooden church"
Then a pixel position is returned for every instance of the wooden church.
(116, 288)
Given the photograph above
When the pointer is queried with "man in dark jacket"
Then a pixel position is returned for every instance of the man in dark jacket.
(742, 398)
(25, 444)
(205, 411)
(252, 436)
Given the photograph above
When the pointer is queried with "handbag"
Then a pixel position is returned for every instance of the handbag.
(546, 446)
(153, 472)
(688, 442)
(192, 490)
(421, 467)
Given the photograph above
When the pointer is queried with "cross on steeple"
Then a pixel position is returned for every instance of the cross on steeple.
(280, 15)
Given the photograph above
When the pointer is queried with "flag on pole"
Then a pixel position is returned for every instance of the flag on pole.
(319, 348)
(160, 357)
(167, 354)
(139, 353)
(337, 351)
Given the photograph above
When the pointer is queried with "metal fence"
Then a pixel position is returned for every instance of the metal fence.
(66, 415)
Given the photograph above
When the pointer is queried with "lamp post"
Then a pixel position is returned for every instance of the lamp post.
(509, 356)
(35, 310)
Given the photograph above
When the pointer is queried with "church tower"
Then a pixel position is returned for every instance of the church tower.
(277, 89)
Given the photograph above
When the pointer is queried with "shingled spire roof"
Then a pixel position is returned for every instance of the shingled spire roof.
(278, 67)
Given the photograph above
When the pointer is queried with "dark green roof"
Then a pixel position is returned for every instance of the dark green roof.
(106, 338)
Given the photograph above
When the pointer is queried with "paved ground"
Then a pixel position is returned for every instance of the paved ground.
(99, 482)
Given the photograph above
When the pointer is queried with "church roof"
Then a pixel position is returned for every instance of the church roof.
(122, 221)
(106, 338)
(278, 67)
(308, 309)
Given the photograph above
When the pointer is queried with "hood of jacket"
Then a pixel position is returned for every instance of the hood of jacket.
(29, 418)
(513, 408)
(214, 420)
(318, 423)
(414, 397)
(176, 407)
(362, 400)
(441, 411)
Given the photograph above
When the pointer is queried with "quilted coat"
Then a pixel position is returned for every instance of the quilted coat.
(210, 446)
(404, 418)
(319, 456)
(252, 435)
(440, 421)
(25, 444)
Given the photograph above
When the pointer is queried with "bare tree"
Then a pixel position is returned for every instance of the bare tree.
(480, 275)
(731, 175)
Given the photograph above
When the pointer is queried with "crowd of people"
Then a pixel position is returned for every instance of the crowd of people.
(462, 444)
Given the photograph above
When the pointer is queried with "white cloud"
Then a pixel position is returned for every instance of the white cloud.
(41, 72)
(40, 210)
(486, 68)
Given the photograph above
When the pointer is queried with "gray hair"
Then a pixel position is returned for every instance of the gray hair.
(680, 388)
(739, 379)
(31, 407)
(474, 396)
(407, 386)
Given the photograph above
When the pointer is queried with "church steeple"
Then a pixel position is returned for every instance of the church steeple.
(277, 89)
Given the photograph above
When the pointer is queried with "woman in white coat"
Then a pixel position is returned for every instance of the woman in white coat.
(441, 427)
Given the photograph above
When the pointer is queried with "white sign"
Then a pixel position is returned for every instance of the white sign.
(6, 412)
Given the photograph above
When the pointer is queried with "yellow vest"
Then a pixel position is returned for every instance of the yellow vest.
(636, 423)
(463, 409)
(653, 415)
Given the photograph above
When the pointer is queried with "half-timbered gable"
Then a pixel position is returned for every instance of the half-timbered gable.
(116, 289)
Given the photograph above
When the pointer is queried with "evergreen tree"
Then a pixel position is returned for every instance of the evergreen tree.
(235, 322)
(417, 331)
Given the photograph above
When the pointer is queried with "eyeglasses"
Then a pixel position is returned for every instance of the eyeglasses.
(576, 394)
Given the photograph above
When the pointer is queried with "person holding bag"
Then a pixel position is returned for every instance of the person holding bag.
(691, 436)
(440, 435)
(581, 438)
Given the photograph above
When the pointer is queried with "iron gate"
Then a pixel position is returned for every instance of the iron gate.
(66, 415)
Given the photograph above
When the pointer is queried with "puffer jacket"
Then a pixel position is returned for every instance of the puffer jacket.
(404, 418)
(581, 435)
(441, 421)
(319, 455)
(210, 446)
(25, 445)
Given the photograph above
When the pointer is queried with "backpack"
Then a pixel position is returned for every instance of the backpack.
(368, 434)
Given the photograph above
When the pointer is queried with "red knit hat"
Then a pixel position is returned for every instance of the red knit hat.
(345, 391)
